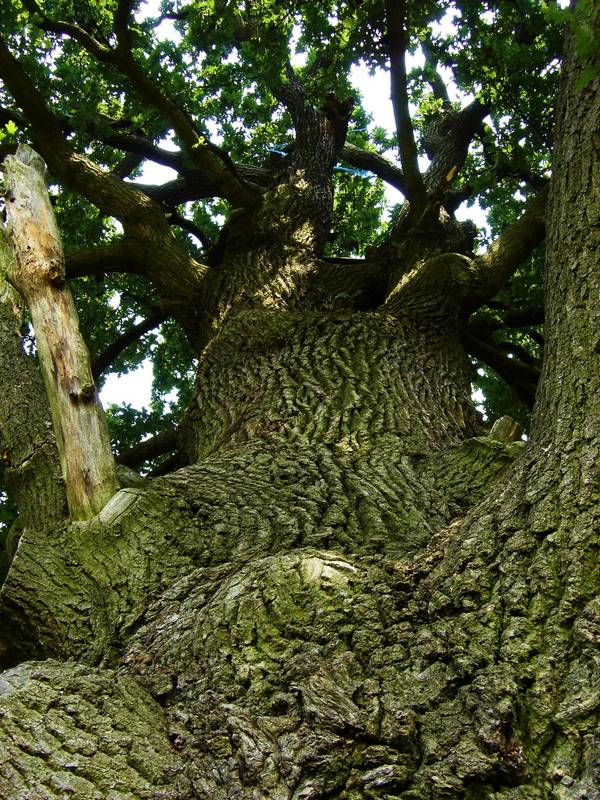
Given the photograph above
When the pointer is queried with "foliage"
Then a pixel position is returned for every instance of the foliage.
(221, 61)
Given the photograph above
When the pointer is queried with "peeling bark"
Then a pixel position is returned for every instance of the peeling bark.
(26, 437)
(79, 424)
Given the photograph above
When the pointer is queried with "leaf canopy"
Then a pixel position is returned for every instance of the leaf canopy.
(221, 63)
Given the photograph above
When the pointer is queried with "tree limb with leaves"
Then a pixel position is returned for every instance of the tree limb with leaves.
(313, 568)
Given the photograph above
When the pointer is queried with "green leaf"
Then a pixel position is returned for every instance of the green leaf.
(587, 76)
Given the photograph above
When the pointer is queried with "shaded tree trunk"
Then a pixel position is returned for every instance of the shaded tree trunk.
(348, 593)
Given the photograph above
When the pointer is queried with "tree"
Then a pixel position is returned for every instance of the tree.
(340, 583)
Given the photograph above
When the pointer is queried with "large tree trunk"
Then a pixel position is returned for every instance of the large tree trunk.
(348, 593)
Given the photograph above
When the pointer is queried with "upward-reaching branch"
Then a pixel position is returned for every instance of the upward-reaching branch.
(320, 135)
(82, 437)
(494, 267)
(397, 40)
(175, 273)
(438, 87)
(204, 155)
(377, 164)
(448, 146)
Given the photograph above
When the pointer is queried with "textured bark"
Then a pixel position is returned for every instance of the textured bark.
(348, 593)
(67, 745)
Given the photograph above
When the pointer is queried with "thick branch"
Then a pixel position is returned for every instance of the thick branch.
(175, 273)
(522, 378)
(196, 185)
(158, 445)
(189, 226)
(193, 184)
(291, 93)
(438, 87)
(507, 252)
(450, 150)
(320, 133)
(377, 164)
(449, 143)
(180, 190)
(117, 257)
(396, 18)
(142, 146)
(121, 24)
(106, 358)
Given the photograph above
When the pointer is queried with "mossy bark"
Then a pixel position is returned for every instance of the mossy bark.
(349, 592)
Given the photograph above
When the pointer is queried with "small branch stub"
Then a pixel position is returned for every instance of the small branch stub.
(86, 458)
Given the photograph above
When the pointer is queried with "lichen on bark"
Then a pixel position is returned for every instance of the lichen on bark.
(349, 591)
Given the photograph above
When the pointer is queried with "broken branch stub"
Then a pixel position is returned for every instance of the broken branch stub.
(86, 459)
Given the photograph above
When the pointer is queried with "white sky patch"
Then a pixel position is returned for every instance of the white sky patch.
(216, 137)
(135, 388)
(375, 91)
(114, 301)
(169, 144)
(148, 8)
(479, 398)
(155, 174)
(297, 58)
(166, 30)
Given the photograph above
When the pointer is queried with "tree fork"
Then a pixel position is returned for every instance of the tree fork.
(86, 459)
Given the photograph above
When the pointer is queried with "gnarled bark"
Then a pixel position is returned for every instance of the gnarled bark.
(348, 592)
